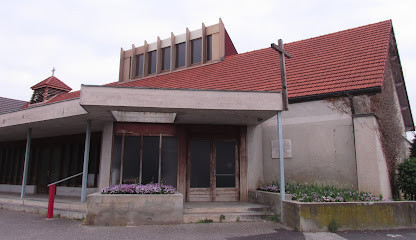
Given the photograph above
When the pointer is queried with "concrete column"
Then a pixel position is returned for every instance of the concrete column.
(254, 156)
(27, 157)
(86, 160)
(105, 156)
(372, 171)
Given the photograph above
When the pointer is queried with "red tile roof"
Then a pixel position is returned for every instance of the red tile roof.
(348, 60)
(52, 82)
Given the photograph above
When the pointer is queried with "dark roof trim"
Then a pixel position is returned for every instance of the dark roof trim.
(372, 90)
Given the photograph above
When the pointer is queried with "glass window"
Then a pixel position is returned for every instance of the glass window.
(209, 47)
(196, 48)
(166, 58)
(150, 160)
(225, 163)
(131, 159)
(180, 55)
(200, 163)
(139, 65)
(152, 62)
(169, 160)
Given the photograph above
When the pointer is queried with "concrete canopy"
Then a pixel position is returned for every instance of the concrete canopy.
(98, 103)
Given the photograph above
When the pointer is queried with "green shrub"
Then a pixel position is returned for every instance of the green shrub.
(407, 177)
(413, 148)
(312, 192)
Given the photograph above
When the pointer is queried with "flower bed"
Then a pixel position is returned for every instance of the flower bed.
(152, 188)
(322, 193)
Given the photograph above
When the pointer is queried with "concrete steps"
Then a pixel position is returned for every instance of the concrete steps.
(72, 210)
(195, 212)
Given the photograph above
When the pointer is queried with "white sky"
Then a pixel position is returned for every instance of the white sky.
(82, 39)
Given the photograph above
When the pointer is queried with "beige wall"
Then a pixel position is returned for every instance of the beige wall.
(371, 164)
(254, 156)
(322, 143)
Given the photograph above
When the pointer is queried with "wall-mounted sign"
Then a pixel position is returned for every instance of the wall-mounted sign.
(287, 148)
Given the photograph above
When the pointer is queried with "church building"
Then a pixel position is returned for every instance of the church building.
(192, 112)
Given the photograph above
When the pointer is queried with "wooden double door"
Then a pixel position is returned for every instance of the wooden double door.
(213, 169)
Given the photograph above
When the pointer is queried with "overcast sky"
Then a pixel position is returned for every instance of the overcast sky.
(82, 39)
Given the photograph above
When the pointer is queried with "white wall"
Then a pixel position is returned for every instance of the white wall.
(322, 139)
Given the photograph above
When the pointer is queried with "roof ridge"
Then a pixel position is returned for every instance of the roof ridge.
(345, 30)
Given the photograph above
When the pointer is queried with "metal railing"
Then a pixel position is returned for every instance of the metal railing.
(63, 180)
(52, 188)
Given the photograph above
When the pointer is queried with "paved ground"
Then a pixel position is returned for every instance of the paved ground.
(18, 225)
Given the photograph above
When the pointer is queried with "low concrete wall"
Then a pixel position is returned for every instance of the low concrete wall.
(134, 209)
(73, 191)
(30, 189)
(315, 217)
(268, 198)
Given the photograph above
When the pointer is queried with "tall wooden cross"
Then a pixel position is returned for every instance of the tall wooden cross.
(282, 54)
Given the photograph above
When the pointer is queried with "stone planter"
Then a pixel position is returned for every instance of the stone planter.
(267, 198)
(134, 209)
(316, 217)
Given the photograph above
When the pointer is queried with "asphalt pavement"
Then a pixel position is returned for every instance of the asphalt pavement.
(21, 225)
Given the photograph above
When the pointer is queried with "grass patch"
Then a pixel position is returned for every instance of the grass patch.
(222, 218)
(312, 192)
(206, 220)
(273, 218)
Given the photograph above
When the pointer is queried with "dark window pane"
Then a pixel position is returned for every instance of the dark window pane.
(55, 164)
(152, 62)
(115, 170)
(180, 55)
(169, 160)
(139, 65)
(44, 166)
(131, 161)
(166, 58)
(200, 162)
(209, 47)
(150, 160)
(225, 163)
(196, 48)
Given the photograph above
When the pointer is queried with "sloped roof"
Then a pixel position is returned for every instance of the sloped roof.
(53, 82)
(348, 60)
(8, 105)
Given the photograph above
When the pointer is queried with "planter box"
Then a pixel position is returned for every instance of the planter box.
(134, 209)
(315, 217)
(268, 198)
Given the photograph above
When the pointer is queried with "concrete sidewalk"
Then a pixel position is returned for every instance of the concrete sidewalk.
(21, 225)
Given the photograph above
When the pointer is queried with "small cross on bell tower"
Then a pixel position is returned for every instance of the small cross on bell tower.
(53, 71)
